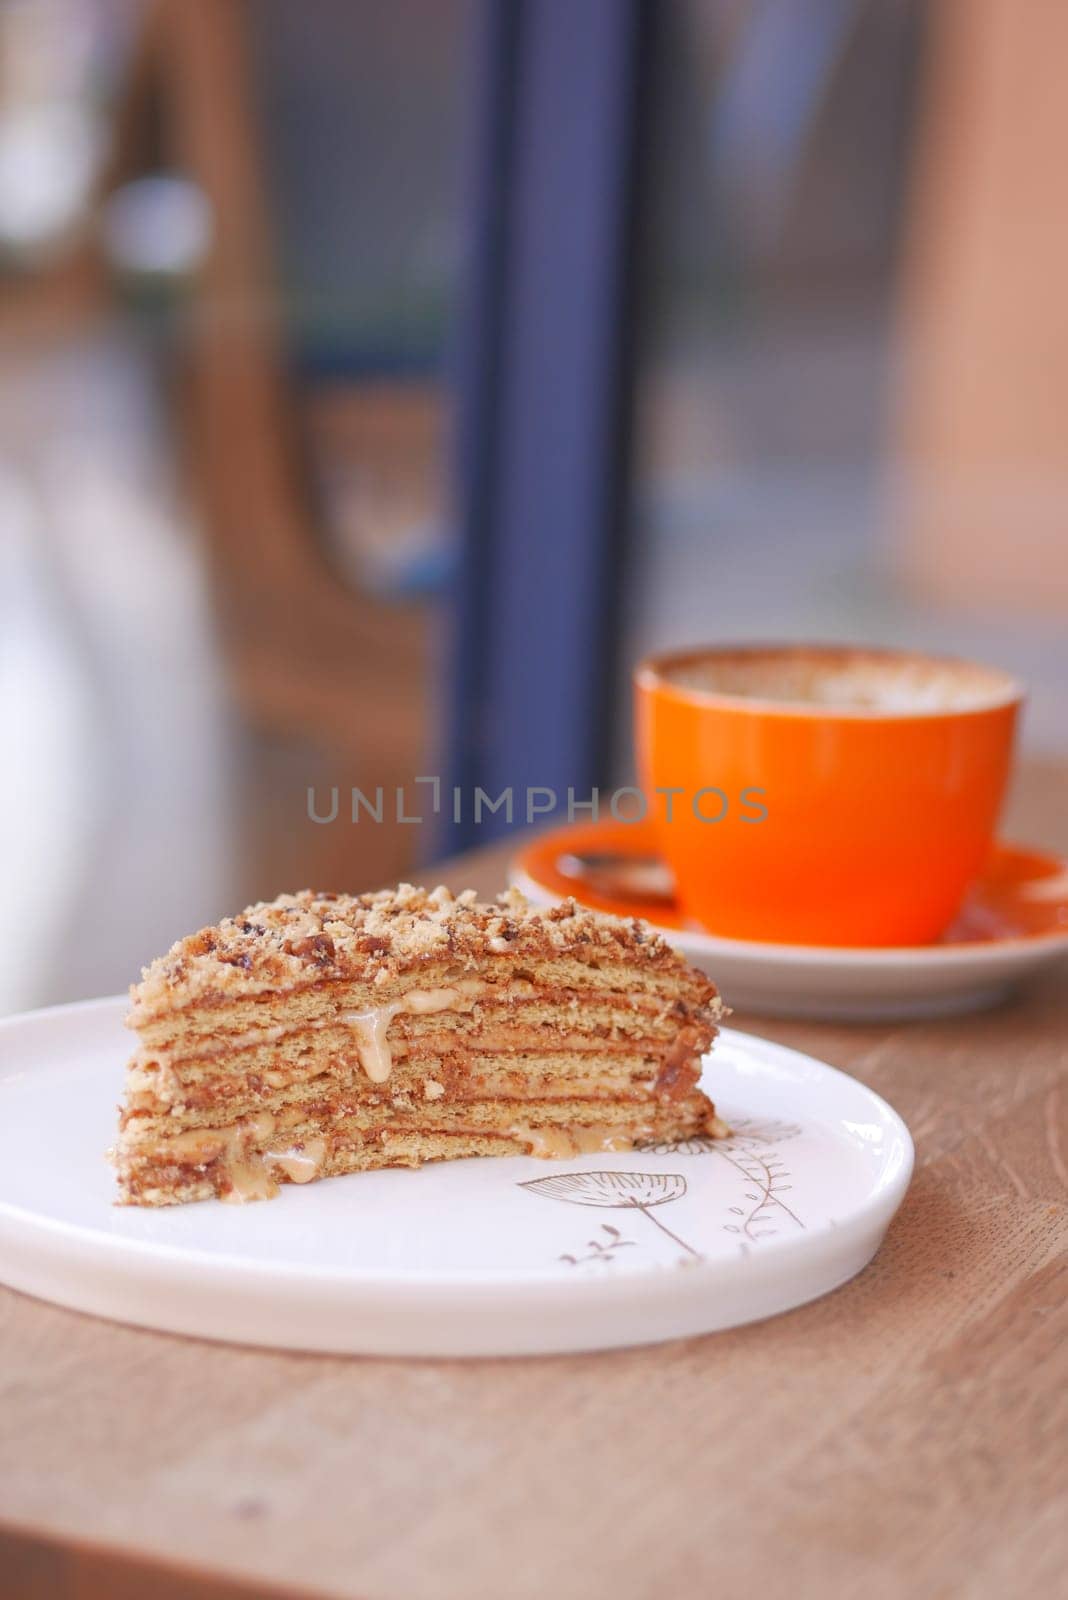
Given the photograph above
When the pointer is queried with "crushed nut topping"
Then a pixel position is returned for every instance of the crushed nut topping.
(288, 942)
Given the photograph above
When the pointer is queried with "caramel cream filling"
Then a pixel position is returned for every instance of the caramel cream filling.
(302, 1164)
(554, 1144)
(371, 1027)
(249, 1170)
(372, 1047)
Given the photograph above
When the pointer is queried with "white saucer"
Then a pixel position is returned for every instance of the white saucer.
(842, 985)
(1014, 921)
(468, 1258)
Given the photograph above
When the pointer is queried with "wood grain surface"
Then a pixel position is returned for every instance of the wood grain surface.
(904, 1436)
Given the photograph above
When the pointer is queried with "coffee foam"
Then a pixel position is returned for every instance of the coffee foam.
(864, 682)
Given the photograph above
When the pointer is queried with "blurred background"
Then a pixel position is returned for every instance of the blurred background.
(380, 379)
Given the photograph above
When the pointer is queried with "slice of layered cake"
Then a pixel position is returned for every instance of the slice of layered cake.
(324, 1034)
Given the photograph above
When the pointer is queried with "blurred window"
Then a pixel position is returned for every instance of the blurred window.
(782, 360)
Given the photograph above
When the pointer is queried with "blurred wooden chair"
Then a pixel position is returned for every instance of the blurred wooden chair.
(335, 677)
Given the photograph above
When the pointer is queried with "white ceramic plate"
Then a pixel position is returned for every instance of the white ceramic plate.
(466, 1258)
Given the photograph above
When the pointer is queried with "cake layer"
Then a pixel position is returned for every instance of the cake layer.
(376, 1039)
(462, 1076)
(228, 1023)
(527, 1024)
(248, 1159)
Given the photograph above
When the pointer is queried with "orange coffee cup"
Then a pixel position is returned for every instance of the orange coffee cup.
(824, 795)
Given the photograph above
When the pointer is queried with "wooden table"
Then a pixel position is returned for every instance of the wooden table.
(905, 1436)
